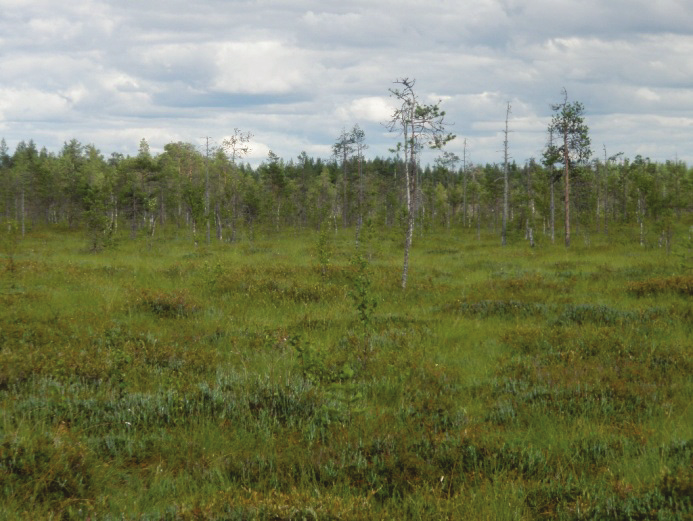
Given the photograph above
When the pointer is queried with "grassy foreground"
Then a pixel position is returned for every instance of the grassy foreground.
(290, 378)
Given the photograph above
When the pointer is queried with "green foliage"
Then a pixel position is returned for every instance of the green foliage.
(99, 225)
(571, 132)
(324, 249)
(176, 304)
(360, 291)
(490, 308)
(11, 238)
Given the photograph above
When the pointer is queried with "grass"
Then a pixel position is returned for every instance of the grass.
(256, 380)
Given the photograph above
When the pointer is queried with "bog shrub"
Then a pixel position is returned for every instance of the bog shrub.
(176, 304)
(680, 284)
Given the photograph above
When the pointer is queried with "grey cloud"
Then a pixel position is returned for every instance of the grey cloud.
(295, 73)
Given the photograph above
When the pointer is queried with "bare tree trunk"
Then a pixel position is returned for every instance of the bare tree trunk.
(162, 207)
(530, 212)
(410, 212)
(410, 232)
(464, 183)
(114, 213)
(606, 211)
(597, 185)
(407, 247)
(133, 222)
(360, 218)
(207, 212)
(217, 216)
(566, 160)
(504, 231)
(553, 210)
(344, 189)
(606, 193)
(641, 218)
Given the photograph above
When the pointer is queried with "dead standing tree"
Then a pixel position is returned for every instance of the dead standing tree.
(420, 125)
(506, 188)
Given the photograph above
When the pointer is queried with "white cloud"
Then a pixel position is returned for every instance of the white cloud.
(50, 29)
(374, 109)
(32, 105)
(261, 67)
(647, 94)
(295, 73)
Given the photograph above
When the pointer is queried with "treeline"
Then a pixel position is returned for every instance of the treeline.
(215, 196)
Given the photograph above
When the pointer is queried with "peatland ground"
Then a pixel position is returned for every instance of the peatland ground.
(290, 377)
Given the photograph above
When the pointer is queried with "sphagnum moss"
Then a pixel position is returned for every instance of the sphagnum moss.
(161, 381)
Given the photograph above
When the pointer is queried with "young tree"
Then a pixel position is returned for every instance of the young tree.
(276, 184)
(448, 162)
(419, 125)
(568, 123)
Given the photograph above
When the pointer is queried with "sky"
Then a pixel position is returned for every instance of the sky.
(295, 74)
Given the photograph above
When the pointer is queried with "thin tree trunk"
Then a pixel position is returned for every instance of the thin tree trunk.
(464, 183)
(133, 223)
(407, 247)
(597, 185)
(566, 160)
(641, 218)
(505, 180)
(410, 212)
(207, 216)
(217, 215)
(530, 212)
(553, 210)
(360, 218)
(606, 210)
(344, 188)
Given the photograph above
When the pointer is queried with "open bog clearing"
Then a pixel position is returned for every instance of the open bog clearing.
(290, 377)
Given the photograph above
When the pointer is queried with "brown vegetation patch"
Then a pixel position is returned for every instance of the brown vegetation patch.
(680, 284)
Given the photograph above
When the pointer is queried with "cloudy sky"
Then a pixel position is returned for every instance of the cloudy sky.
(111, 72)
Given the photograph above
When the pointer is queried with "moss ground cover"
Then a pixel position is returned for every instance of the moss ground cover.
(256, 380)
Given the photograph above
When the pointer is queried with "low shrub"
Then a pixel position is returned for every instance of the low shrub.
(176, 304)
(497, 308)
(681, 284)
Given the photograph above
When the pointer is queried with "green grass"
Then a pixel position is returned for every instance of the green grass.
(238, 381)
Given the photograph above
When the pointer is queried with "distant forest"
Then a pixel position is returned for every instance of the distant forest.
(214, 195)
